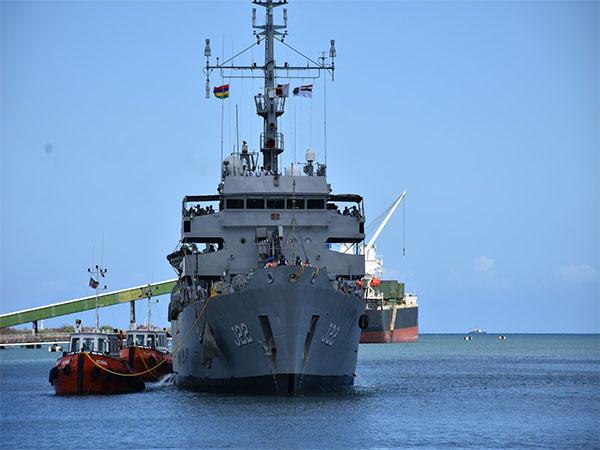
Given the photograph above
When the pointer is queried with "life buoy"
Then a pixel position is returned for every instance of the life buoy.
(67, 369)
(363, 321)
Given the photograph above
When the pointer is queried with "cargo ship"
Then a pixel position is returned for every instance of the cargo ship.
(393, 314)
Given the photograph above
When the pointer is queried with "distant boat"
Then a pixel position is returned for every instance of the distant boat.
(477, 331)
(55, 348)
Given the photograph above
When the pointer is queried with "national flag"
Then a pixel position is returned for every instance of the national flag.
(221, 91)
(282, 90)
(303, 91)
(93, 283)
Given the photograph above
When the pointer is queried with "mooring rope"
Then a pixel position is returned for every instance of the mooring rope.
(137, 374)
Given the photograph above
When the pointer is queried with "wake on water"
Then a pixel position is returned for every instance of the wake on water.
(166, 380)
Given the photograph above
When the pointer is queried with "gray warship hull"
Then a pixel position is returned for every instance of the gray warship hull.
(287, 331)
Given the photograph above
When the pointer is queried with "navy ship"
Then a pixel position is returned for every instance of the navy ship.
(264, 303)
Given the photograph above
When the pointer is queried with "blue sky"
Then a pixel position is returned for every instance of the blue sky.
(486, 112)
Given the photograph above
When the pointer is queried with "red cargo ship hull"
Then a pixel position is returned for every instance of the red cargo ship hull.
(380, 337)
(387, 325)
(76, 374)
(142, 359)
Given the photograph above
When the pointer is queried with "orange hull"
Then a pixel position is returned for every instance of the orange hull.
(141, 359)
(75, 374)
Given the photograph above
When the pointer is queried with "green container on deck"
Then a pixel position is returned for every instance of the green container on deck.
(392, 290)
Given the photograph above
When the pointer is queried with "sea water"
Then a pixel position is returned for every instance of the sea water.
(528, 391)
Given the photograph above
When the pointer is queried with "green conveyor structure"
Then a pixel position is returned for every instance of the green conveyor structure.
(86, 303)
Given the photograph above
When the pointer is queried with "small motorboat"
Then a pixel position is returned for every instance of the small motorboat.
(477, 331)
(55, 348)
(93, 366)
(146, 352)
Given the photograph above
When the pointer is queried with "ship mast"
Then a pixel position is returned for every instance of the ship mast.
(269, 105)
(271, 142)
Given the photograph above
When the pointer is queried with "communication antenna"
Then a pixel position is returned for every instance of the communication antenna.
(148, 294)
(96, 276)
(268, 104)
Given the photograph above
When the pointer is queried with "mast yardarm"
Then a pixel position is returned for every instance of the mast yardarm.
(268, 104)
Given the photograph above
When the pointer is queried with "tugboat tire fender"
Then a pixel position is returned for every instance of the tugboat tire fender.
(52, 376)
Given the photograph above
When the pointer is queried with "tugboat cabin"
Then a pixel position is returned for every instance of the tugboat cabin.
(156, 340)
(103, 343)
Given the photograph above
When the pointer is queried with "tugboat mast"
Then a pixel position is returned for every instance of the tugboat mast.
(269, 105)
(96, 276)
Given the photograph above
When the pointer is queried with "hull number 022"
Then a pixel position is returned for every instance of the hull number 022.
(331, 334)
(241, 336)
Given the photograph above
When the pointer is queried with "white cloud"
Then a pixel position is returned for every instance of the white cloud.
(484, 263)
(576, 272)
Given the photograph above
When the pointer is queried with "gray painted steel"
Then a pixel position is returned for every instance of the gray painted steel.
(321, 358)
(380, 319)
(239, 326)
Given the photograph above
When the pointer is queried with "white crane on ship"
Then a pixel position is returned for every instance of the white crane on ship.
(373, 264)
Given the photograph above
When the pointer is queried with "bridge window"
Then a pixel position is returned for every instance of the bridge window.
(75, 344)
(130, 340)
(275, 203)
(88, 345)
(315, 203)
(234, 203)
(114, 344)
(295, 203)
(255, 203)
(139, 340)
(102, 345)
(150, 341)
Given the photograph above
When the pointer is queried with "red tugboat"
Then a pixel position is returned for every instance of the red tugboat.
(146, 350)
(147, 353)
(93, 366)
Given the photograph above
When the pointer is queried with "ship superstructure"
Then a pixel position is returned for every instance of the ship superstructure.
(263, 303)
